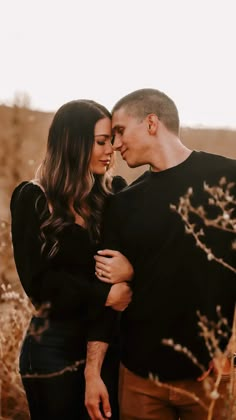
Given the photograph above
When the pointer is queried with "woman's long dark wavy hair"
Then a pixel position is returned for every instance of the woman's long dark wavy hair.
(65, 175)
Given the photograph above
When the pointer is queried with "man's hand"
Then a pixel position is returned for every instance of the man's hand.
(96, 398)
(96, 395)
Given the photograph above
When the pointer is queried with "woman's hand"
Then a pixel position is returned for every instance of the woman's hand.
(113, 267)
(119, 297)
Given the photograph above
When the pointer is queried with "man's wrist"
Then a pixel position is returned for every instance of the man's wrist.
(96, 351)
(92, 372)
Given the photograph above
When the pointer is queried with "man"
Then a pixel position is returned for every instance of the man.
(173, 278)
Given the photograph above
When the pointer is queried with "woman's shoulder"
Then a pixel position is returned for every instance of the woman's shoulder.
(25, 193)
(118, 183)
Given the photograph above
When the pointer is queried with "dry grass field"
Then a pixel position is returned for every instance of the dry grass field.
(23, 135)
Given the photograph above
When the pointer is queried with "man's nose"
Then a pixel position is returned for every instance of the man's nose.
(117, 143)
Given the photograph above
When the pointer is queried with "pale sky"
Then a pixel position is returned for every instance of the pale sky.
(59, 50)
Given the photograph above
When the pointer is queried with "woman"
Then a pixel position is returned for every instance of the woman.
(56, 221)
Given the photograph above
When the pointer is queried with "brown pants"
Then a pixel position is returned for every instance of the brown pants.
(142, 399)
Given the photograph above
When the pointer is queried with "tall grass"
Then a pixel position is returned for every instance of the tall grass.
(15, 312)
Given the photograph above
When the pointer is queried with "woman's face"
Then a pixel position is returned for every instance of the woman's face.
(102, 147)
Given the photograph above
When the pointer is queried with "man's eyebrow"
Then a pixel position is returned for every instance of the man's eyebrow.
(116, 128)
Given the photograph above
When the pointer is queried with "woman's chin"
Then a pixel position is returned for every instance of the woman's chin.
(100, 171)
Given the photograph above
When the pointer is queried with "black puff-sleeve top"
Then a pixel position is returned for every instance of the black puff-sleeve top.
(66, 280)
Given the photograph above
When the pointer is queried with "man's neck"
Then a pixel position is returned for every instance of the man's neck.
(170, 155)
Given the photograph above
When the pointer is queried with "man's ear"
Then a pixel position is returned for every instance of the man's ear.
(152, 123)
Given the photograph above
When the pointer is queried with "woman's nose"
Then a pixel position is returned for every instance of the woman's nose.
(109, 148)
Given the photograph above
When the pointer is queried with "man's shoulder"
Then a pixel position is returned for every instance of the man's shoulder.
(137, 184)
(211, 164)
(213, 157)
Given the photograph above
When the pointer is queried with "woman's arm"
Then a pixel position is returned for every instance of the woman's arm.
(42, 281)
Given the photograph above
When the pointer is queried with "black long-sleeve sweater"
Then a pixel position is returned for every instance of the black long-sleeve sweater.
(67, 280)
(173, 278)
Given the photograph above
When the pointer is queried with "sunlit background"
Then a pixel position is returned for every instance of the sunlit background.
(58, 50)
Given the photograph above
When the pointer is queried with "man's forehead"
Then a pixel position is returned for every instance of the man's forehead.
(120, 113)
(119, 118)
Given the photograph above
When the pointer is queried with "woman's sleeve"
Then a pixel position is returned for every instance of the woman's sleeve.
(118, 183)
(102, 328)
(42, 281)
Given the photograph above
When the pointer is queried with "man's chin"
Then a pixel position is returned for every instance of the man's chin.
(131, 164)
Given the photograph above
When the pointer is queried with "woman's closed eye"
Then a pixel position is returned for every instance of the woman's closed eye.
(101, 140)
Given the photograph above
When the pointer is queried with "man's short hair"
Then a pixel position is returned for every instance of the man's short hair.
(142, 102)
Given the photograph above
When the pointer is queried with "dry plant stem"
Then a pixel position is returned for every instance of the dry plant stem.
(212, 332)
(232, 390)
(53, 374)
(221, 197)
(213, 223)
(15, 313)
(177, 347)
(196, 235)
(205, 249)
(0, 398)
(213, 401)
(181, 391)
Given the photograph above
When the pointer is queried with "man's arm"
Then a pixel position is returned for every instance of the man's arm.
(96, 395)
(101, 329)
(100, 333)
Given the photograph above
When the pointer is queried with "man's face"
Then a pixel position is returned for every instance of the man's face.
(129, 137)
